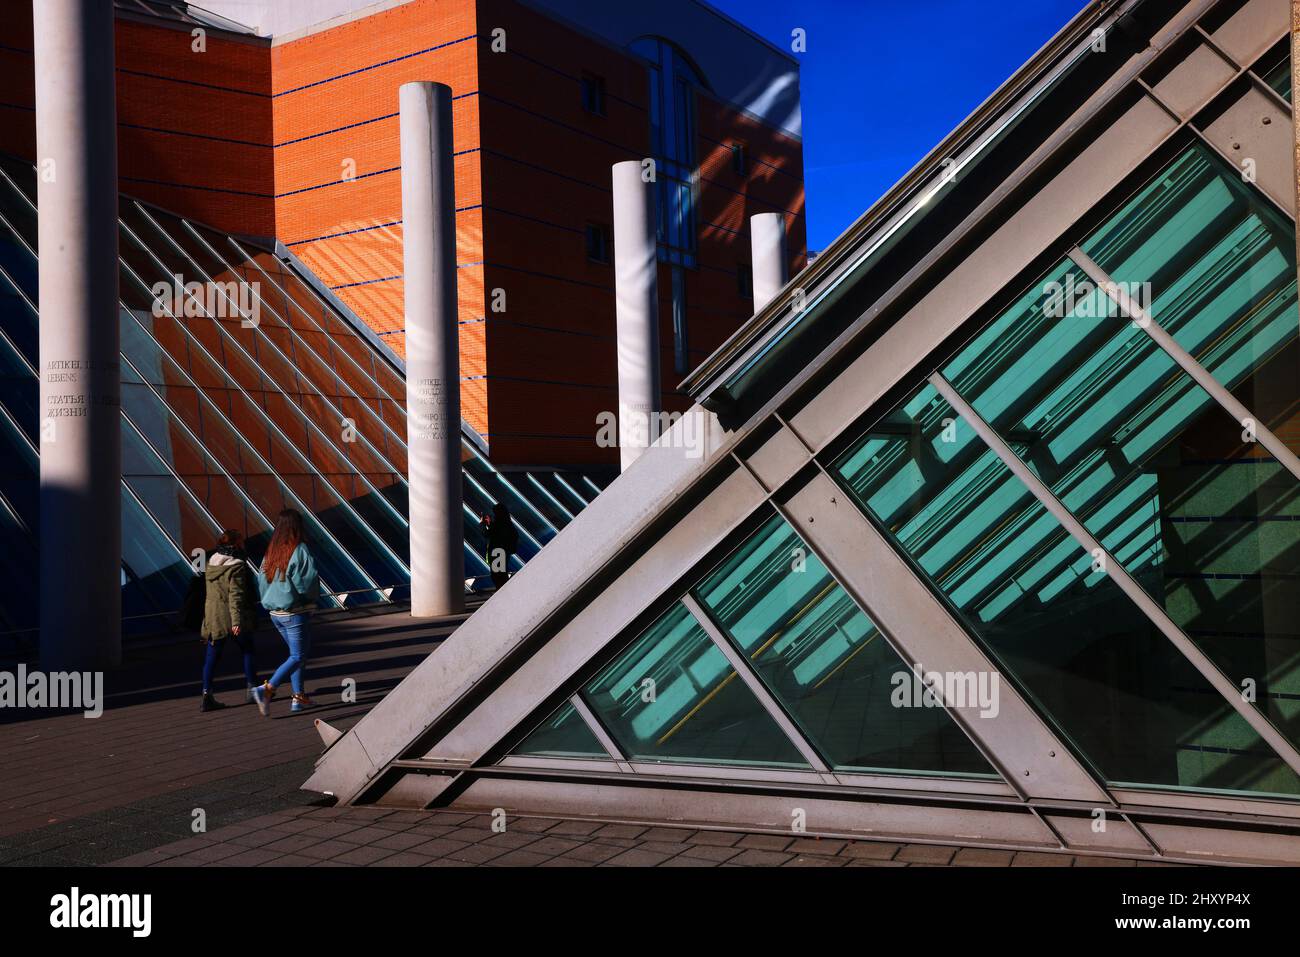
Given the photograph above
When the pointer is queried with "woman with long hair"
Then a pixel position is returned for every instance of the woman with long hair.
(290, 589)
(229, 611)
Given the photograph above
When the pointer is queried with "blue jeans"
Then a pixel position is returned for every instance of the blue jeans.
(293, 629)
(213, 655)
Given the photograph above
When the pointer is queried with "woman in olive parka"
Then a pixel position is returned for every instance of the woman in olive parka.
(229, 611)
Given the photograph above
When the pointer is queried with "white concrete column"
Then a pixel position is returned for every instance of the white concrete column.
(432, 350)
(636, 287)
(80, 391)
(767, 245)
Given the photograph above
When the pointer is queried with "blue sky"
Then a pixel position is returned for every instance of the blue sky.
(884, 80)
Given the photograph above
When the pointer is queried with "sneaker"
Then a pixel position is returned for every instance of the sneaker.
(301, 703)
(262, 698)
(248, 694)
(208, 703)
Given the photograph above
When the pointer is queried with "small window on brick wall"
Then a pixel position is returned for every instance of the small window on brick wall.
(593, 93)
(738, 162)
(745, 280)
(598, 243)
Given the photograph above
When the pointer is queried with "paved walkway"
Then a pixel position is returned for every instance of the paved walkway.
(373, 837)
(127, 787)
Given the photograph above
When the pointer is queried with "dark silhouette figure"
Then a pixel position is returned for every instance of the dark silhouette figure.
(502, 540)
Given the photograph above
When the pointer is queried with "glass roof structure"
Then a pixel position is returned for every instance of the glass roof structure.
(997, 536)
(186, 13)
(241, 395)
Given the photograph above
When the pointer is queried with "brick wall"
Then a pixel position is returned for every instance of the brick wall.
(338, 157)
(194, 128)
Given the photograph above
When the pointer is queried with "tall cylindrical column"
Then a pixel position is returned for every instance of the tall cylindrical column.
(432, 350)
(636, 288)
(80, 391)
(767, 245)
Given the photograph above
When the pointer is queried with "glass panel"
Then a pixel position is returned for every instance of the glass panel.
(563, 735)
(1274, 68)
(1159, 473)
(1095, 665)
(827, 664)
(673, 696)
(1215, 265)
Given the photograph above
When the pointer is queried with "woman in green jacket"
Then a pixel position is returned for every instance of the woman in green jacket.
(229, 611)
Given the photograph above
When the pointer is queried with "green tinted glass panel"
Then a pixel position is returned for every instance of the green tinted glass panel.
(1275, 70)
(1064, 630)
(827, 663)
(563, 735)
(1159, 473)
(673, 696)
(1215, 265)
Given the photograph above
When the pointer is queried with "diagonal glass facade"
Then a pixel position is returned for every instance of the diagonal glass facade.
(1120, 434)
(243, 392)
(1176, 491)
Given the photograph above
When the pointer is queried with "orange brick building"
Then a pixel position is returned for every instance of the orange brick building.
(293, 134)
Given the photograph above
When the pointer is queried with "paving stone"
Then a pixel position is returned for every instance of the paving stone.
(1035, 859)
(512, 839)
(251, 857)
(813, 845)
(292, 843)
(581, 828)
(683, 860)
(470, 835)
(291, 860)
(925, 854)
(327, 850)
(439, 847)
(765, 842)
(814, 860)
(552, 846)
(637, 857)
(870, 849)
(1090, 861)
(982, 857)
(366, 835)
(669, 835)
(400, 841)
(711, 852)
(362, 855)
(403, 859)
(718, 838)
(621, 830)
(478, 853)
(520, 857)
(533, 824)
(871, 862)
(753, 857)
(593, 853)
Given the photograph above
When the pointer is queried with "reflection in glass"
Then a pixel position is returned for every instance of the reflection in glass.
(1059, 626)
(563, 735)
(673, 696)
(826, 663)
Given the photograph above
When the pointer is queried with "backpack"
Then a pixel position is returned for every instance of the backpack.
(190, 615)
